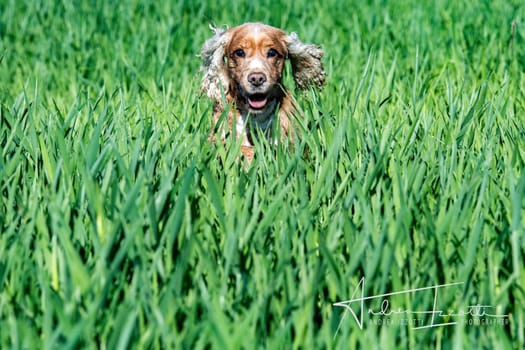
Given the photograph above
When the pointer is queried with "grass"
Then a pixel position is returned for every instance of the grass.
(122, 227)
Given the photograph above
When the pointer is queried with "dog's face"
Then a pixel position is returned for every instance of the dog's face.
(255, 60)
(245, 63)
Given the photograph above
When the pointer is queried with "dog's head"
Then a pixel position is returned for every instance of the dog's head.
(246, 63)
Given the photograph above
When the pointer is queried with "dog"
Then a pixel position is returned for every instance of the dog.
(243, 69)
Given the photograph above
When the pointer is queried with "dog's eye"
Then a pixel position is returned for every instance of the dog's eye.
(239, 53)
(272, 53)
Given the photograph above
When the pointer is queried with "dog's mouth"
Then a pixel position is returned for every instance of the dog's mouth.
(257, 101)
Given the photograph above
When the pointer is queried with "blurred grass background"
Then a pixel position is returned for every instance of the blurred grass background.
(122, 227)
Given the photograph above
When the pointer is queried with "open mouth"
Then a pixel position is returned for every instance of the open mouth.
(257, 101)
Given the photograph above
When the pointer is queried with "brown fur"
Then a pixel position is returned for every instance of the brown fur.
(243, 74)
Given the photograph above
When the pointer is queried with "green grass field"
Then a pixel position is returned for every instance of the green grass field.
(122, 227)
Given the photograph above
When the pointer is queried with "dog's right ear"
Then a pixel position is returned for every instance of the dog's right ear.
(215, 80)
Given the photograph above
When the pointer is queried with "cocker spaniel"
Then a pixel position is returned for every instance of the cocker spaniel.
(243, 74)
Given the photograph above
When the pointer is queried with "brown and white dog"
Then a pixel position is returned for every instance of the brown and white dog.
(243, 74)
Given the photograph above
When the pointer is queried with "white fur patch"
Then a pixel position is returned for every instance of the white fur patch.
(256, 64)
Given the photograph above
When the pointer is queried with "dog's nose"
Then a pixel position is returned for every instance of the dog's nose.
(257, 79)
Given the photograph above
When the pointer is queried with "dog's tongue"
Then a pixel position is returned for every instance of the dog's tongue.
(257, 101)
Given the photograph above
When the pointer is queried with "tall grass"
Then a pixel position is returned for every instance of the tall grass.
(122, 227)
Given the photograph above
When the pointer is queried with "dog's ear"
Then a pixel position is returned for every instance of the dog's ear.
(307, 68)
(215, 80)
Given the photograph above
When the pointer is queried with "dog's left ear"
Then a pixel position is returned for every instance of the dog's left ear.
(307, 68)
(215, 80)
